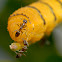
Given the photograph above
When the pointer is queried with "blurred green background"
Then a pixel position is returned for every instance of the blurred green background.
(36, 52)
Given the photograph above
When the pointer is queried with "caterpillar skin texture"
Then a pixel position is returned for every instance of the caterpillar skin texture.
(41, 18)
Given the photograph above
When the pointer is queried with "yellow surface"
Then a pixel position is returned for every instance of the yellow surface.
(15, 46)
(36, 29)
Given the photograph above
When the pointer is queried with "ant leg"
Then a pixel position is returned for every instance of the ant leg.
(21, 32)
(25, 42)
(24, 26)
(18, 55)
(23, 54)
(17, 24)
(14, 31)
(24, 29)
(20, 24)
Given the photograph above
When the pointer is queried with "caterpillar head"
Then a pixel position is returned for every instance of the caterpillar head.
(18, 49)
(20, 31)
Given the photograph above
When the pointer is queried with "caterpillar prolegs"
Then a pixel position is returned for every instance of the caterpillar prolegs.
(29, 24)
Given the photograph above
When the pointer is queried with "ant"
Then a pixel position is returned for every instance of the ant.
(21, 52)
(18, 32)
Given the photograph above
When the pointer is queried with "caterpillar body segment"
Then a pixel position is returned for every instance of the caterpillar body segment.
(56, 6)
(29, 24)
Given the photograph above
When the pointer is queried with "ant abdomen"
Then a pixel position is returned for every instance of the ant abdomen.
(17, 33)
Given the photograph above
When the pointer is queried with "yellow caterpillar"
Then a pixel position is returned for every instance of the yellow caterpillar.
(29, 24)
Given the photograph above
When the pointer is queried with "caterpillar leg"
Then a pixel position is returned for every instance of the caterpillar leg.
(45, 41)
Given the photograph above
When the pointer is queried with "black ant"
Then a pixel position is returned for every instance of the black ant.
(18, 32)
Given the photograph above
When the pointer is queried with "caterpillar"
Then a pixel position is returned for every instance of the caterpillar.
(31, 23)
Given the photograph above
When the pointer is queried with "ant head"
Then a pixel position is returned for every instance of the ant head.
(25, 21)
